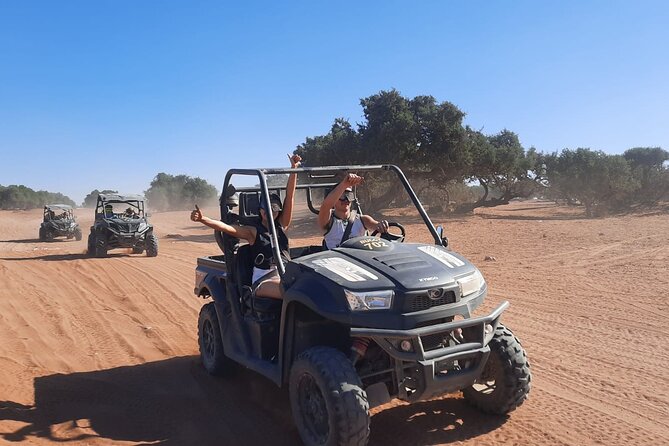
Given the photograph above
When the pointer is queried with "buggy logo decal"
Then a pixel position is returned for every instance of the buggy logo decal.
(427, 279)
(447, 259)
(434, 293)
(345, 269)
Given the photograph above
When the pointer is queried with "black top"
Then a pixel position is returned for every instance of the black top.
(261, 249)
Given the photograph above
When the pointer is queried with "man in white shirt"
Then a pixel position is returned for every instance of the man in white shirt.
(335, 215)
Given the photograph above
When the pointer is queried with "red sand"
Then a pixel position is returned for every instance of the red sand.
(104, 351)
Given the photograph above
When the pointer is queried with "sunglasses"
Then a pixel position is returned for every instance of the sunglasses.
(344, 199)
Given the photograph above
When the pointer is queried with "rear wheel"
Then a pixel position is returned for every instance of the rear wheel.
(42, 234)
(48, 235)
(327, 400)
(505, 382)
(77, 234)
(151, 245)
(137, 250)
(210, 342)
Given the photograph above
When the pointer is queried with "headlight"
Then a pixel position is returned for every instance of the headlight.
(142, 226)
(471, 284)
(369, 300)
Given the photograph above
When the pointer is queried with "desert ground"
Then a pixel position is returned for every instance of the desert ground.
(104, 351)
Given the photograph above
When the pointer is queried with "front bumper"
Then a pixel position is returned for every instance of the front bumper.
(430, 370)
(122, 239)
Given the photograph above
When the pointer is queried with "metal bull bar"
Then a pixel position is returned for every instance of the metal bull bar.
(431, 378)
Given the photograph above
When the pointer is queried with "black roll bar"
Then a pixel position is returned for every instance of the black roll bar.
(264, 190)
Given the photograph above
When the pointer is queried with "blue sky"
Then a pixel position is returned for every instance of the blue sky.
(106, 94)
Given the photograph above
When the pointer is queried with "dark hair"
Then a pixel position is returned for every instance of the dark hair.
(274, 200)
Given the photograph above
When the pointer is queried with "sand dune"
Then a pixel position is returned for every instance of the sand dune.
(104, 351)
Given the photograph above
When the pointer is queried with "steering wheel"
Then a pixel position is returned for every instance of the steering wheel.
(397, 238)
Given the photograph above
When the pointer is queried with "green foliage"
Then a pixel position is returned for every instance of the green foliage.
(501, 163)
(170, 192)
(647, 157)
(419, 135)
(428, 141)
(600, 182)
(440, 156)
(92, 198)
(425, 138)
(649, 168)
(22, 197)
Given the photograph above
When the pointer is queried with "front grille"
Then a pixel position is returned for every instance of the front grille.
(435, 341)
(129, 227)
(423, 302)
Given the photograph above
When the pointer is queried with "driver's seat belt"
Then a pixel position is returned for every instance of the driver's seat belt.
(349, 228)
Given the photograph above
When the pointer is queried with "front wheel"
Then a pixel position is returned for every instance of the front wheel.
(151, 245)
(42, 234)
(99, 246)
(328, 402)
(505, 381)
(77, 234)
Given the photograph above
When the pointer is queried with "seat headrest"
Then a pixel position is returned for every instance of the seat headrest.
(249, 204)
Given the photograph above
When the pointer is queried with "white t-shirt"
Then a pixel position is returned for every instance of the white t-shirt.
(337, 228)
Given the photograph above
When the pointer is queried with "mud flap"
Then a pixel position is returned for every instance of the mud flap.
(377, 394)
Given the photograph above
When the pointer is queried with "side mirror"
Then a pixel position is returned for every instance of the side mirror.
(442, 237)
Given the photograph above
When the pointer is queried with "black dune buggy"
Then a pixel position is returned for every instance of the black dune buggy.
(370, 320)
(121, 222)
(59, 221)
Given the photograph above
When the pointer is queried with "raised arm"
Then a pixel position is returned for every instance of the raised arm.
(328, 203)
(247, 233)
(287, 213)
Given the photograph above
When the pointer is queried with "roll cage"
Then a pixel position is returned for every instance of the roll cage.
(56, 211)
(312, 173)
(134, 201)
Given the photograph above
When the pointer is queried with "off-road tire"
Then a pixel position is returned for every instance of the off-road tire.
(209, 339)
(90, 247)
(77, 234)
(137, 250)
(151, 244)
(48, 235)
(328, 402)
(509, 368)
(100, 247)
(42, 235)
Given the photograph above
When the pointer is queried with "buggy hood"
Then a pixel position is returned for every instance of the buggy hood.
(369, 263)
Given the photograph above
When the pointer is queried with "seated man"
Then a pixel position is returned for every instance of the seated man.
(335, 215)
(130, 213)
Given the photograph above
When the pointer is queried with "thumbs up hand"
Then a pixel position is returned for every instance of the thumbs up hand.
(196, 215)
